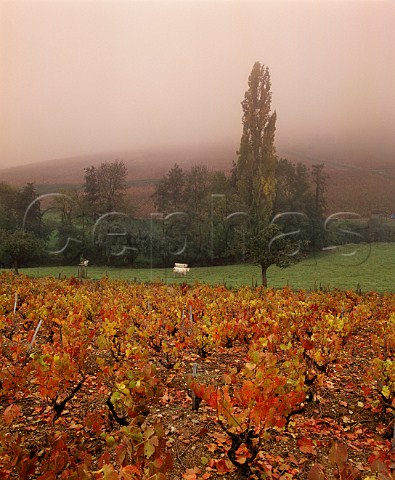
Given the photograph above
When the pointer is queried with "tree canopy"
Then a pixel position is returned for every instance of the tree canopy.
(169, 193)
(20, 247)
(105, 186)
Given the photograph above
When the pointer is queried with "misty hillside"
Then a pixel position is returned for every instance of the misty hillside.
(351, 186)
(144, 168)
(141, 165)
(361, 190)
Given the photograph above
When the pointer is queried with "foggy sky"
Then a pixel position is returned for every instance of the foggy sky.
(85, 76)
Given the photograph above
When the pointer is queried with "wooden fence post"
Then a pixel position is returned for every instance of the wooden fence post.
(195, 399)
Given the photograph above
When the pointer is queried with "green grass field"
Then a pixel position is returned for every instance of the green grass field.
(369, 266)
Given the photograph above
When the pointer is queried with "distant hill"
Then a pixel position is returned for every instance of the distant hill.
(145, 169)
(141, 165)
(351, 186)
(361, 190)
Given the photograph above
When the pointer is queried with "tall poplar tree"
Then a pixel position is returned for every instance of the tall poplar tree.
(256, 165)
(254, 176)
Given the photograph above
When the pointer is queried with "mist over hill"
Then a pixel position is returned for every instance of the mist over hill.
(361, 187)
(141, 165)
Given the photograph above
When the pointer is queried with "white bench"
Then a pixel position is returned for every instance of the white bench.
(181, 268)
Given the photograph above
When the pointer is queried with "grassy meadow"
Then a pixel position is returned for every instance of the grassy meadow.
(364, 266)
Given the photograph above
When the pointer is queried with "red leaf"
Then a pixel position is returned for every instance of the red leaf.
(306, 446)
(338, 454)
(11, 413)
(109, 472)
(129, 472)
(190, 473)
(307, 344)
(316, 472)
(220, 465)
(47, 476)
(379, 467)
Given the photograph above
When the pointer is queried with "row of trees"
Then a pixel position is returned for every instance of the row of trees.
(203, 213)
(199, 218)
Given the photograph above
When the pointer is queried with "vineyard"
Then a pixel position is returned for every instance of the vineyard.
(116, 380)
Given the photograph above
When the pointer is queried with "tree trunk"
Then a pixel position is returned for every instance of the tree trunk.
(15, 266)
(264, 276)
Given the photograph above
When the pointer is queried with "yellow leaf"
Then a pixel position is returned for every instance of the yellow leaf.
(386, 391)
